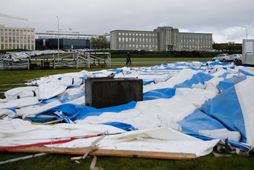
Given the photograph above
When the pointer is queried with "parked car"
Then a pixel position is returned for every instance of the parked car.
(222, 57)
(236, 58)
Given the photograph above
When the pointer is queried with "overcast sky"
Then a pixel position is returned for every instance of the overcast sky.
(228, 20)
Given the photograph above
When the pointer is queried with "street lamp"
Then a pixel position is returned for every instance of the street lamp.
(57, 36)
(246, 30)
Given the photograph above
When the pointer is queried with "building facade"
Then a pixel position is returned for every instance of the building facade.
(17, 38)
(67, 40)
(64, 44)
(133, 40)
(160, 39)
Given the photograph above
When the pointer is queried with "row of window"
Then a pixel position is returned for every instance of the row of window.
(17, 40)
(193, 40)
(184, 46)
(194, 36)
(136, 46)
(145, 40)
(13, 31)
(24, 37)
(194, 44)
(195, 47)
(17, 46)
(137, 34)
(17, 34)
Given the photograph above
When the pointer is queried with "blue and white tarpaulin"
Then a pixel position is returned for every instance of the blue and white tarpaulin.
(188, 107)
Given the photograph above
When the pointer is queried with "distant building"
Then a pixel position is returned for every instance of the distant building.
(160, 39)
(17, 38)
(67, 40)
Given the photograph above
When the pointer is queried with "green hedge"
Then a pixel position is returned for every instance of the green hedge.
(171, 54)
(12, 50)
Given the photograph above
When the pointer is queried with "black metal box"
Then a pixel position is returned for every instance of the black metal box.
(105, 92)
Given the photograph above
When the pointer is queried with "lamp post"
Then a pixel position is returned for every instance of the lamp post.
(57, 36)
(246, 30)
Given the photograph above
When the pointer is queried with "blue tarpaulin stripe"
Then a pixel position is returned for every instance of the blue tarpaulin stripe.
(121, 125)
(77, 112)
(147, 82)
(223, 111)
(245, 72)
(196, 79)
(227, 83)
(159, 93)
(241, 146)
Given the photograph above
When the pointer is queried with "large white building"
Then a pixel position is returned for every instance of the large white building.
(160, 39)
(17, 38)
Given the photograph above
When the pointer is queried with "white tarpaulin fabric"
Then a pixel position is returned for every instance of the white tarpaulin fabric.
(187, 108)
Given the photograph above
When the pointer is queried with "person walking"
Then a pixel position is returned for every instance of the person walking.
(128, 59)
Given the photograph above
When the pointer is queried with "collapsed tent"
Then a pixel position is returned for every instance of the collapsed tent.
(188, 107)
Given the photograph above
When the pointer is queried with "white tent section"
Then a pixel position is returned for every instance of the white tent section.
(175, 79)
(244, 89)
(184, 103)
(153, 140)
(156, 113)
(19, 132)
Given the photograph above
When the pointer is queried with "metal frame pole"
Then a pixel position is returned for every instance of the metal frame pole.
(57, 37)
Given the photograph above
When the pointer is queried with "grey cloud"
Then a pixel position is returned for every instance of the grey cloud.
(220, 17)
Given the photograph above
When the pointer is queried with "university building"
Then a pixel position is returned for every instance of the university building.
(160, 39)
(17, 38)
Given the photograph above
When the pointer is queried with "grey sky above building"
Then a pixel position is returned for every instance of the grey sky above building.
(228, 20)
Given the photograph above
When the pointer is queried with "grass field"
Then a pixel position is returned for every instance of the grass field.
(160, 59)
(109, 163)
(18, 77)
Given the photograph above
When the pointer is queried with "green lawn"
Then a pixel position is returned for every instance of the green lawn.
(160, 59)
(64, 162)
(109, 163)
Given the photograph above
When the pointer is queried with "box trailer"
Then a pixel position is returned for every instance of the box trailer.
(248, 52)
(106, 92)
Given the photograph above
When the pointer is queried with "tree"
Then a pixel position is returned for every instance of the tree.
(99, 42)
(227, 46)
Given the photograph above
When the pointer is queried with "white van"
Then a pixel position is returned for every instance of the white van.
(248, 52)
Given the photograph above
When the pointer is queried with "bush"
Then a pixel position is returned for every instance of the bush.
(159, 54)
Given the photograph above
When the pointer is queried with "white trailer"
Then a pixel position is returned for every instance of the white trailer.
(248, 52)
